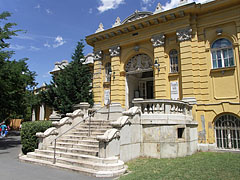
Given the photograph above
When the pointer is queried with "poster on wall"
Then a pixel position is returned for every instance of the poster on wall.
(174, 90)
(106, 97)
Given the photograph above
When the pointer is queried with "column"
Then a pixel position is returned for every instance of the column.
(160, 73)
(42, 112)
(33, 115)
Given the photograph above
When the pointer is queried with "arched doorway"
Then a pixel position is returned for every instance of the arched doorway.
(227, 132)
(139, 78)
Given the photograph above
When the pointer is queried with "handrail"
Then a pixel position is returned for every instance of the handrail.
(55, 140)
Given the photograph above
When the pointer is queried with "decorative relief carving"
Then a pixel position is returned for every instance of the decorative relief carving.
(117, 22)
(184, 34)
(136, 15)
(138, 63)
(158, 40)
(115, 51)
(98, 55)
(158, 8)
(100, 28)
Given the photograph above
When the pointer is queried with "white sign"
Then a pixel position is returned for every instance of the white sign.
(174, 90)
(106, 96)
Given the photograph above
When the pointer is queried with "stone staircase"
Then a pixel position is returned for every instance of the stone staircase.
(78, 151)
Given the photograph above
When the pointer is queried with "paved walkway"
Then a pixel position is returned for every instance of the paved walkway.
(12, 169)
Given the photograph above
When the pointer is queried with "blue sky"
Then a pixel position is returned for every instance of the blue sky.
(53, 27)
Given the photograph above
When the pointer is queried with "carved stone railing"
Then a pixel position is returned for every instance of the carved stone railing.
(60, 127)
(162, 106)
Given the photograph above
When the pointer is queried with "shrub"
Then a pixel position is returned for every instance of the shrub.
(28, 134)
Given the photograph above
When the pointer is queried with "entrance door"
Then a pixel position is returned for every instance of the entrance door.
(146, 89)
(149, 89)
(143, 89)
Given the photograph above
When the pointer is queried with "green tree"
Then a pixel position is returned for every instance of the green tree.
(16, 80)
(71, 85)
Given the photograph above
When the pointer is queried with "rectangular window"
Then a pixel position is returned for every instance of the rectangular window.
(180, 132)
(214, 60)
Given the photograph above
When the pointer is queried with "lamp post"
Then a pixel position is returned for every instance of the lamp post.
(157, 65)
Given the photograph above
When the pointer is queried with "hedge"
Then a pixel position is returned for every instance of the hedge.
(28, 134)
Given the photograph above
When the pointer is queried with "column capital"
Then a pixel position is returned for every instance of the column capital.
(98, 55)
(158, 40)
(115, 51)
(184, 34)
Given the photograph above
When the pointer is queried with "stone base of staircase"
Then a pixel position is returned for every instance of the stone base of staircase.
(78, 151)
(69, 166)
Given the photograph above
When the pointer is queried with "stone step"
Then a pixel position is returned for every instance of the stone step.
(74, 141)
(98, 122)
(92, 126)
(95, 166)
(75, 137)
(48, 155)
(62, 152)
(81, 143)
(76, 162)
(85, 133)
(91, 130)
(106, 173)
(76, 148)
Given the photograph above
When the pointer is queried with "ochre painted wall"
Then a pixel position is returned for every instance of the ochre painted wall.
(215, 90)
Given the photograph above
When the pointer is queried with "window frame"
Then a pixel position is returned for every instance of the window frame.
(215, 52)
(174, 61)
(107, 75)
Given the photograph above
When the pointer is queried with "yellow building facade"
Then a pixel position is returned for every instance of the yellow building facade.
(189, 53)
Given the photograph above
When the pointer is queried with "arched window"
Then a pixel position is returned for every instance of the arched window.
(107, 72)
(227, 130)
(173, 54)
(222, 54)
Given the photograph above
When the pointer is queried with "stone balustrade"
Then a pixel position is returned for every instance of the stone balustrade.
(163, 106)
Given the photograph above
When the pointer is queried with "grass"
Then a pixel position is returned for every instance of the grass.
(200, 166)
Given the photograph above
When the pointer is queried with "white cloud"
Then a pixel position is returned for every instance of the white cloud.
(37, 6)
(46, 45)
(171, 4)
(16, 47)
(144, 8)
(148, 1)
(175, 3)
(145, 4)
(109, 4)
(49, 11)
(33, 48)
(58, 42)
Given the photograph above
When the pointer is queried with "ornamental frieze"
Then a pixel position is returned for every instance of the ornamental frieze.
(158, 40)
(184, 34)
(115, 51)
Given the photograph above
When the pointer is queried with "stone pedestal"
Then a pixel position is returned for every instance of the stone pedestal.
(55, 116)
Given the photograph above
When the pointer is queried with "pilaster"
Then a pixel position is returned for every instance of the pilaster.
(117, 86)
(97, 78)
(184, 38)
(160, 73)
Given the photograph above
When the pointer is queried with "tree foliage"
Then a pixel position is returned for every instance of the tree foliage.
(16, 79)
(71, 85)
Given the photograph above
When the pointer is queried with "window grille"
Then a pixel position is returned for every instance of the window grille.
(227, 132)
